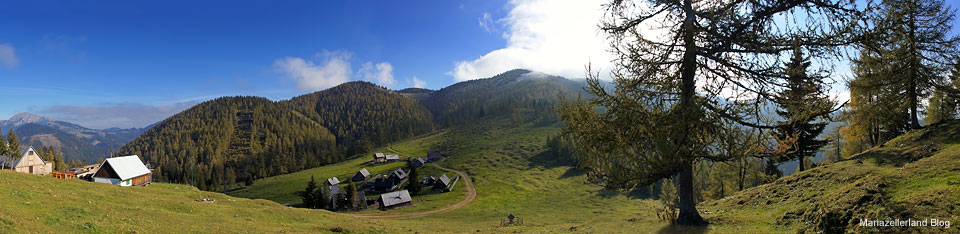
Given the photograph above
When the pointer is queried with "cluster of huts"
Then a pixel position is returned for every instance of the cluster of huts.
(389, 185)
(122, 171)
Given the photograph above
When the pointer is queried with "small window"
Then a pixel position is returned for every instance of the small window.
(30, 153)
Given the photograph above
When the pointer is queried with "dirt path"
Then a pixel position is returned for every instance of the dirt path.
(471, 194)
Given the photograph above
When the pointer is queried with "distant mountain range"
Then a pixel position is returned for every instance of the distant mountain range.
(239, 139)
(74, 141)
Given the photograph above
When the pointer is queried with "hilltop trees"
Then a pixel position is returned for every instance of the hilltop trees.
(3, 145)
(799, 104)
(13, 144)
(918, 44)
(666, 110)
(943, 104)
(903, 61)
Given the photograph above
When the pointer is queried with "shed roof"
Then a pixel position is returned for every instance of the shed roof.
(399, 173)
(444, 179)
(333, 181)
(364, 172)
(394, 198)
(393, 156)
(12, 162)
(378, 155)
(126, 167)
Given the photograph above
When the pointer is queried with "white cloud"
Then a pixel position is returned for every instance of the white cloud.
(334, 69)
(8, 57)
(382, 73)
(417, 83)
(486, 22)
(554, 37)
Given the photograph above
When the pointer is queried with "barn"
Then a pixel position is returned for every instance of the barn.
(394, 199)
(418, 162)
(29, 162)
(379, 158)
(392, 158)
(361, 175)
(442, 183)
(123, 171)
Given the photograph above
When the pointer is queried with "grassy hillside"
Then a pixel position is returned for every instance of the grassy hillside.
(911, 177)
(513, 175)
(34, 204)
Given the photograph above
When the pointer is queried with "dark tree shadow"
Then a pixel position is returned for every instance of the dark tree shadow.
(572, 172)
(671, 229)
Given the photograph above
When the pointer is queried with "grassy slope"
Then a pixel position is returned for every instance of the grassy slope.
(513, 174)
(914, 176)
(48, 205)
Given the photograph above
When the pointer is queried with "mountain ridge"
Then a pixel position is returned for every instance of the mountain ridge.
(358, 115)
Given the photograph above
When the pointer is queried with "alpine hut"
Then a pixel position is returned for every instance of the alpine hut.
(442, 183)
(379, 158)
(361, 175)
(29, 162)
(123, 171)
(394, 199)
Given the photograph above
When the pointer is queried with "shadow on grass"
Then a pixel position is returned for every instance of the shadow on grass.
(683, 229)
(548, 159)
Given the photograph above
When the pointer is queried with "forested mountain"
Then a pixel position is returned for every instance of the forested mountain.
(233, 139)
(74, 141)
(236, 139)
(524, 94)
(363, 115)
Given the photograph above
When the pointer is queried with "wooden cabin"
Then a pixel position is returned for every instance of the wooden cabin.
(392, 158)
(333, 181)
(379, 158)
(361, 175)
(418, 162)
(398, 176)
(29, 162)
(123, 171)
(394, 199)
(442, 183)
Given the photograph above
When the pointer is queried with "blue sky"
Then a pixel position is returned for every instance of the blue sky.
(127, 54)
(132, 63)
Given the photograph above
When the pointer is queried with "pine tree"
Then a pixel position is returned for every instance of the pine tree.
(13, 144)
(3, 145)
(666, 107)
(913, 37)
(798, 107)
(943, 105)
(876, 112)
(413, 185)
(309, 194)
(353, 197)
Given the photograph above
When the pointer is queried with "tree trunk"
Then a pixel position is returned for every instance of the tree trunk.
(914, 67)
(688, 71)
(688, 207)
